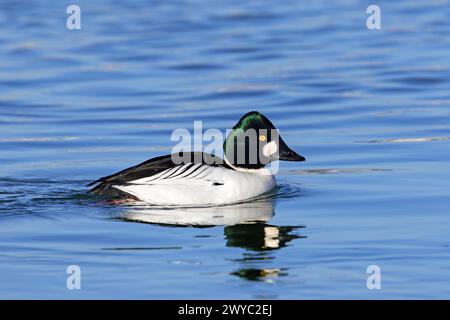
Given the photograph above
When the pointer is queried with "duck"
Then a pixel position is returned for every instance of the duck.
(202, 179)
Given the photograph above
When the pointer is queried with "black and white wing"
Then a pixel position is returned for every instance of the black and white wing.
(180, 166)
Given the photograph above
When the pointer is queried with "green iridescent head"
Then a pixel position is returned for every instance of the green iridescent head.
(254, 142)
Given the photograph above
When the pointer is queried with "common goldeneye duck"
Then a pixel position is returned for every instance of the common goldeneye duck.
(197, 178)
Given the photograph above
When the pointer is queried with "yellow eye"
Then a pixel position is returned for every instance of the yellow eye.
(262, 138)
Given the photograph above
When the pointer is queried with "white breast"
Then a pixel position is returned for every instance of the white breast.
(199, 184)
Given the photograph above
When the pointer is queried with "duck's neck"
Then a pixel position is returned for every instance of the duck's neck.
(261, 171)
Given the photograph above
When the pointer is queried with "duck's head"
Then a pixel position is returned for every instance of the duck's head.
(254, 142)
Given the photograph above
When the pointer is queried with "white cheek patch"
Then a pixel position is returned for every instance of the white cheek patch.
(269, 149)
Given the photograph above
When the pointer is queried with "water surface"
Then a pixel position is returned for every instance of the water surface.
(369, 109)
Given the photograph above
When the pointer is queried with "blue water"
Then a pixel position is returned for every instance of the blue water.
(369, 109)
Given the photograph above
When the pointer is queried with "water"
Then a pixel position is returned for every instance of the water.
(369, 109)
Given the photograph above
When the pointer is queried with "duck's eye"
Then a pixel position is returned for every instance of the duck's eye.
(262, 138)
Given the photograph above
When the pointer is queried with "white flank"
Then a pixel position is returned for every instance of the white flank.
(199, 184)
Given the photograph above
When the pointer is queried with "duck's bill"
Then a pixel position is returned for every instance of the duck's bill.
(287, 154)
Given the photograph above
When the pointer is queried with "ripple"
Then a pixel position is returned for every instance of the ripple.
(39, 139)
(420, 80)
(337, 171)
(142, 248)
(200, 66)
(235, 93)
(407, 140)
(21, 194)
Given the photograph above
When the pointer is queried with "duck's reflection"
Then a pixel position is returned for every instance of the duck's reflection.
(246, 226)
(256, 274)
(259, 236)
(260, 240)
(243, 213)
